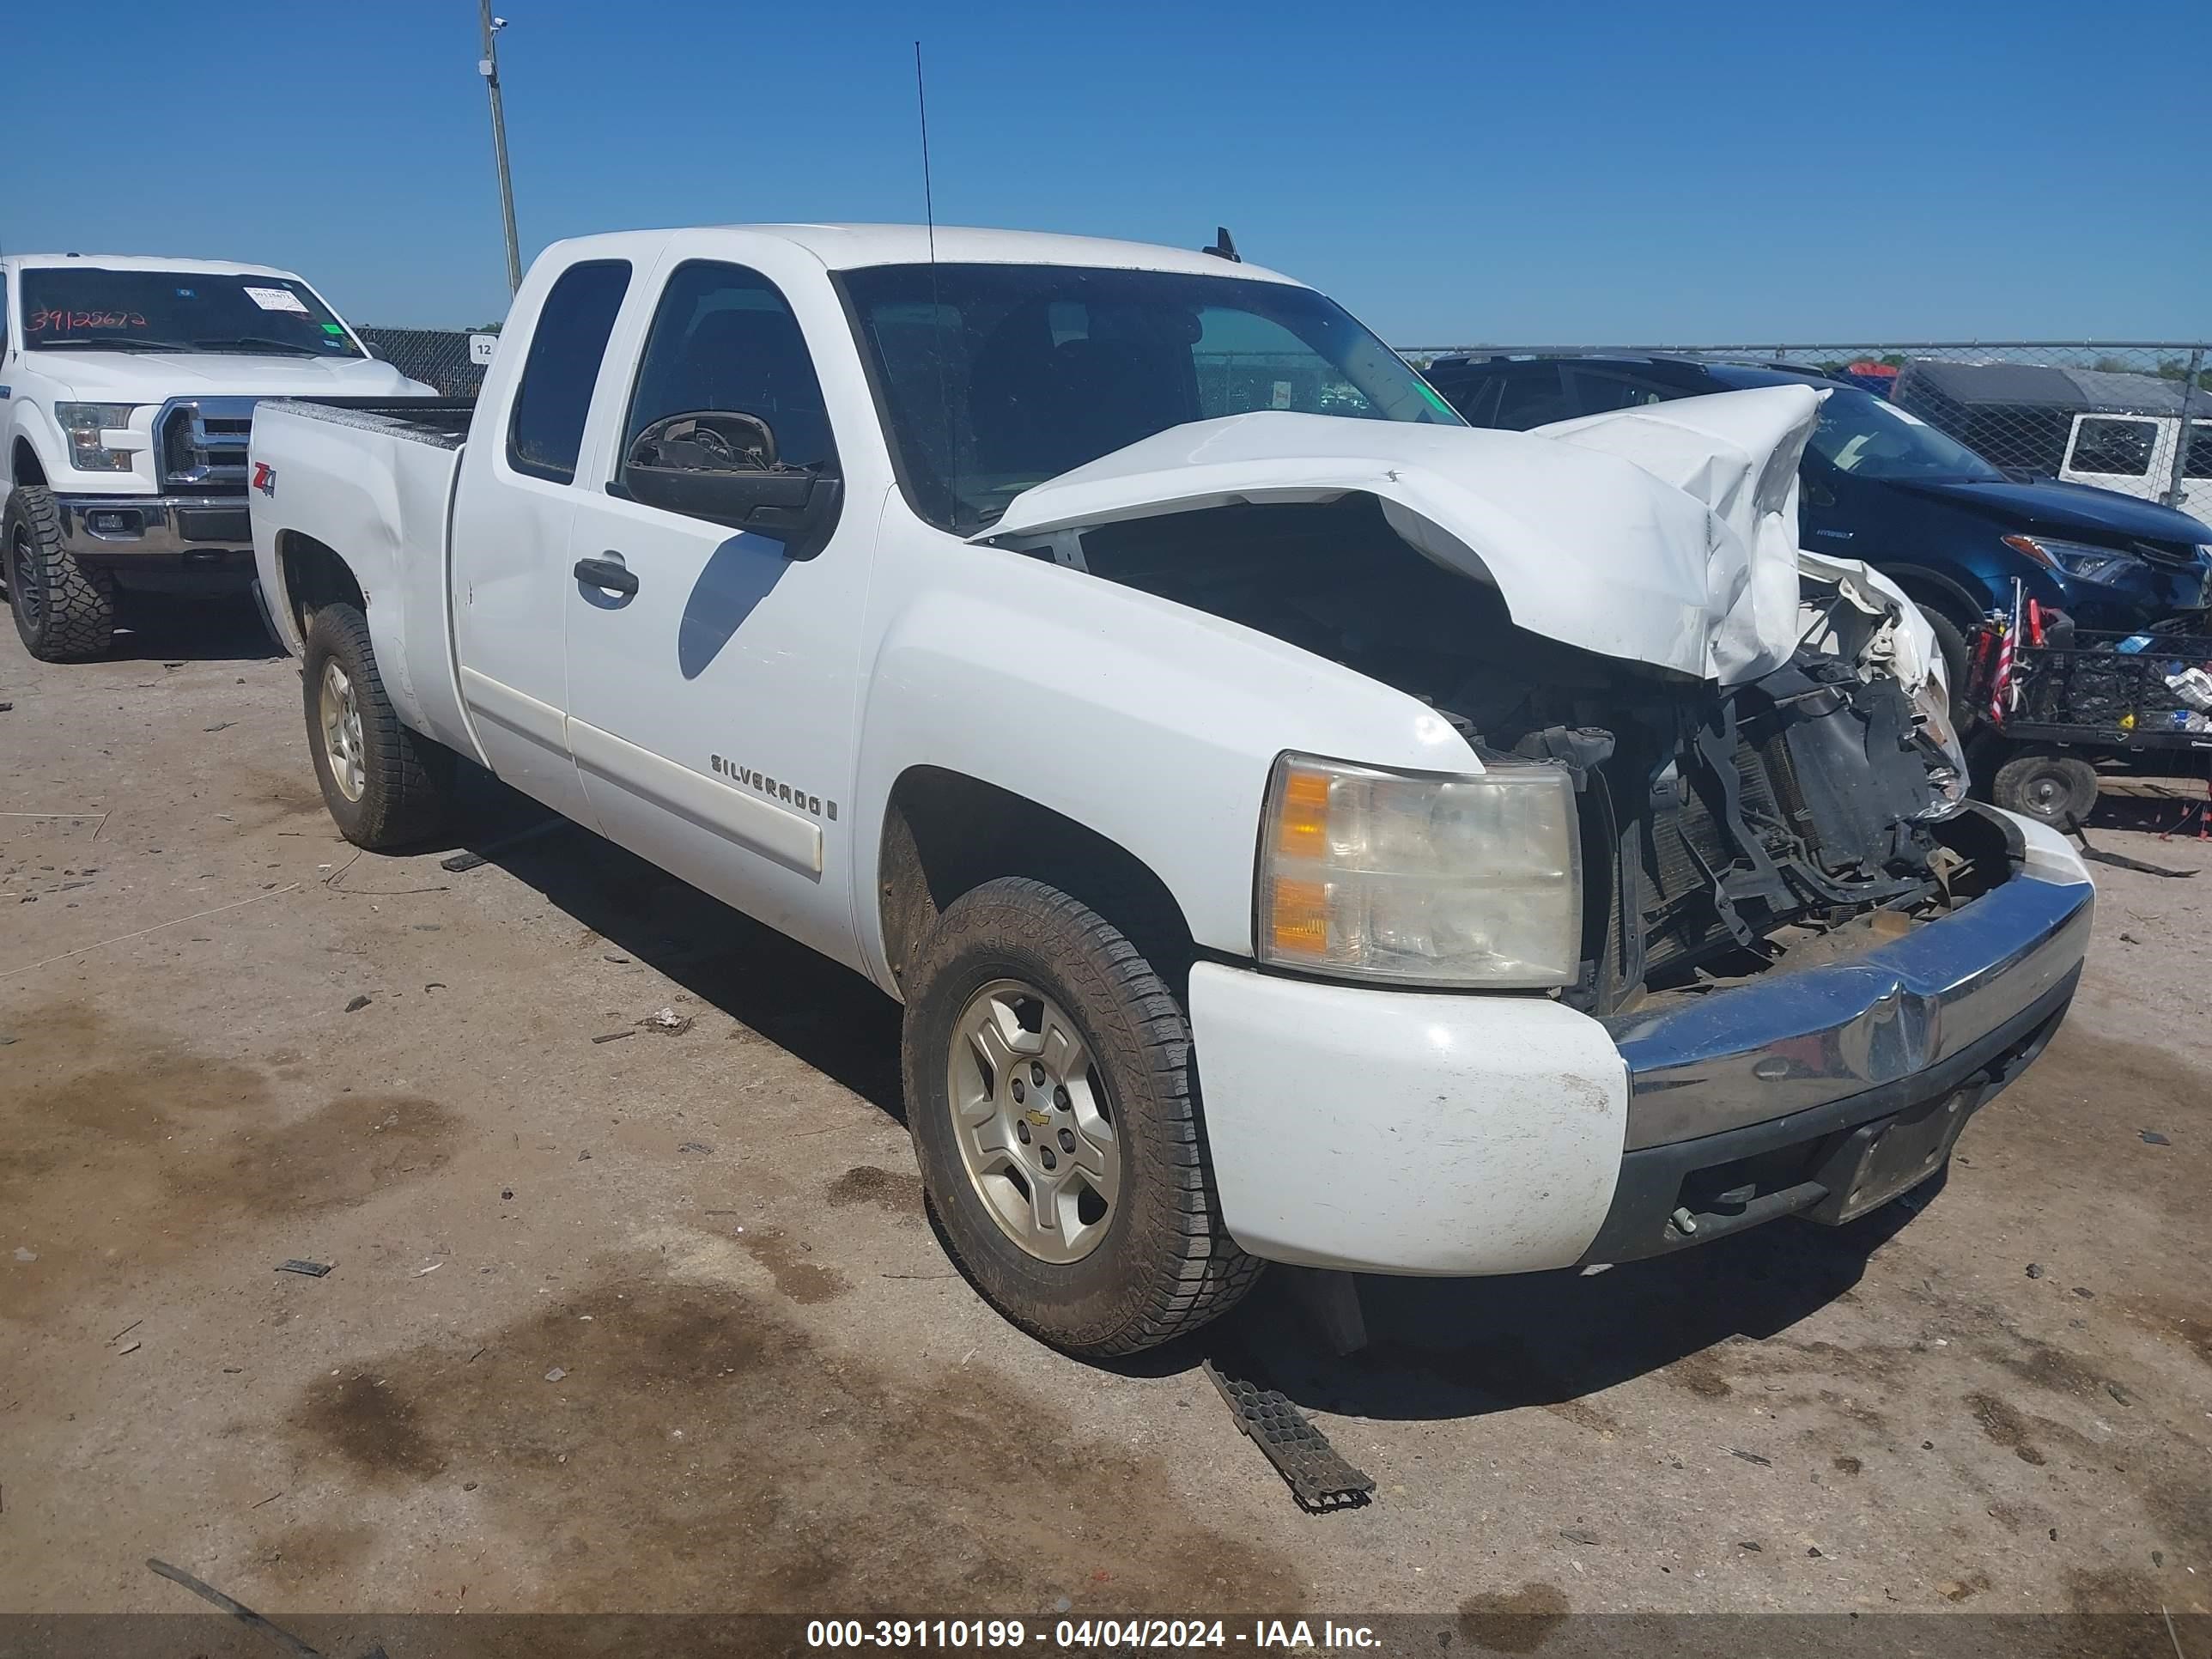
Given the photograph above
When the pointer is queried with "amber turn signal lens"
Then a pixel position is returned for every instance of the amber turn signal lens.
(1299, 919)
(1302, 820)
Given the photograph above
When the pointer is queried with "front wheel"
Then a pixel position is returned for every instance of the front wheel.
(2059, 790)
(65, 609)
(384, 786)
(1958, 660)
(1050, 1093)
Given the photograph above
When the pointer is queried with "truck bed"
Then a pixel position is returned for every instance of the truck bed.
(441, 421)
(371, 479)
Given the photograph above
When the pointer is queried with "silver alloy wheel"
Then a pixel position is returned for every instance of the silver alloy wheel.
(1033, 1121)
(342, 740)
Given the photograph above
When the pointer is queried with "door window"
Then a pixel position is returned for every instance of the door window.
(1593, 393)
(724, 338)
(1475, 396)
(2115, 448)
(546, 430)
(1532, 396)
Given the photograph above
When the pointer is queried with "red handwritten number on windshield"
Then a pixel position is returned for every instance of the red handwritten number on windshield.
(48, 321)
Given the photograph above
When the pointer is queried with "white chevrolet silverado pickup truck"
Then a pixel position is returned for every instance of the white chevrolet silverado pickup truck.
(1345, 839)
(127, 388)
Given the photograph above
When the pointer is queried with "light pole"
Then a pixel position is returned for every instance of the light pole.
(488, 66)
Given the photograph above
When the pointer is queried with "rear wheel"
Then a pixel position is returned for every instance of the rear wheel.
(1050, 1094)
(384, 785)
(65, 609)
(2059, 790)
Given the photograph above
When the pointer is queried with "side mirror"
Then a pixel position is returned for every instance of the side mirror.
(1816, 492)
(375, 351)
(721, 467)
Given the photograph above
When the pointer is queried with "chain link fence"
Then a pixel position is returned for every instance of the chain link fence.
(2134, 416)
(441, 358)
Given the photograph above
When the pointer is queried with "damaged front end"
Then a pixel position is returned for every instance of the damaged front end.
(1761, 753)
(1810, 958)
(1723, 830)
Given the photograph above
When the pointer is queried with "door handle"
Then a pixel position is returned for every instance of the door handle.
(609, 573)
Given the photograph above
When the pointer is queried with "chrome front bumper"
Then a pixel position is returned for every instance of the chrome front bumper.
(1827, 1092)
(140, 526)
(1796, 1041)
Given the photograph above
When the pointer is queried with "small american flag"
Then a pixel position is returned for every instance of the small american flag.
(2002, 690)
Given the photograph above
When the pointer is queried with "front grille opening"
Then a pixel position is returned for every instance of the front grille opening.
(204, 451)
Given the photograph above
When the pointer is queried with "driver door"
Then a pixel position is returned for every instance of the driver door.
(710, 673)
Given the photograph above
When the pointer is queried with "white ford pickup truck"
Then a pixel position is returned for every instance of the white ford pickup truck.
(127, 385)
(1299, 828)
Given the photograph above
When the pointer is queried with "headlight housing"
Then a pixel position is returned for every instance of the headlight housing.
(1931, 711)
(82, 423)
(1421, 879)
(2075, 559)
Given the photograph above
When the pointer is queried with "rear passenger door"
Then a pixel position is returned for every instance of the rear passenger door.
(510, 539)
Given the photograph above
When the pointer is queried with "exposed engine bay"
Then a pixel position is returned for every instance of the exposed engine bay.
(1725, 830)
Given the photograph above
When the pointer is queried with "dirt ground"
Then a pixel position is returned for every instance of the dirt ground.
(657, 1323)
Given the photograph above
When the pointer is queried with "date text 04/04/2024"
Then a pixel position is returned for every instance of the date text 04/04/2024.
(1295, 1634)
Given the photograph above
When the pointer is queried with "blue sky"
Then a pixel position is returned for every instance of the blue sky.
(1702, 171)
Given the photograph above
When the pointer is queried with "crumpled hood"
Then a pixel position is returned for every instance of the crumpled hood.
(152, 377)
(1666, 535)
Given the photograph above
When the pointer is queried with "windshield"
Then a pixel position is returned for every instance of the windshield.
(1861, 435)
(89, 308)
(994, 378)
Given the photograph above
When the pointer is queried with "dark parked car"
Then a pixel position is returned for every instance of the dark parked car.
(1880, 485)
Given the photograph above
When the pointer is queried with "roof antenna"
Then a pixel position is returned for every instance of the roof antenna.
(929, 197)
(936, 302)
(1224, 245)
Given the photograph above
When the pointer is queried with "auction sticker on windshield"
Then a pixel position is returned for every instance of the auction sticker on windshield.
(275, 299)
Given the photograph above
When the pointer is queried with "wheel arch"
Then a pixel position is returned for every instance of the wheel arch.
(1936, 590)
(313, 576)
(946, 832)
(26, 469)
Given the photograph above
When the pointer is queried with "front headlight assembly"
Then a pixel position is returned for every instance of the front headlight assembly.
(1932, 713)
(2075, 559)
(1417, 879)
(86, 425)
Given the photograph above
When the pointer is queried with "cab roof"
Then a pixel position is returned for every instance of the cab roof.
(143, 262)
(847, 247)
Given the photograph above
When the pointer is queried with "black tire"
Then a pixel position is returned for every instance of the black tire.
(406, 780)
(2059, 790)
(1165, 1265)
(64, 611)
(1951, 641)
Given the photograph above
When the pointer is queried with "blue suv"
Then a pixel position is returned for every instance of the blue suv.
(1880, 485)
